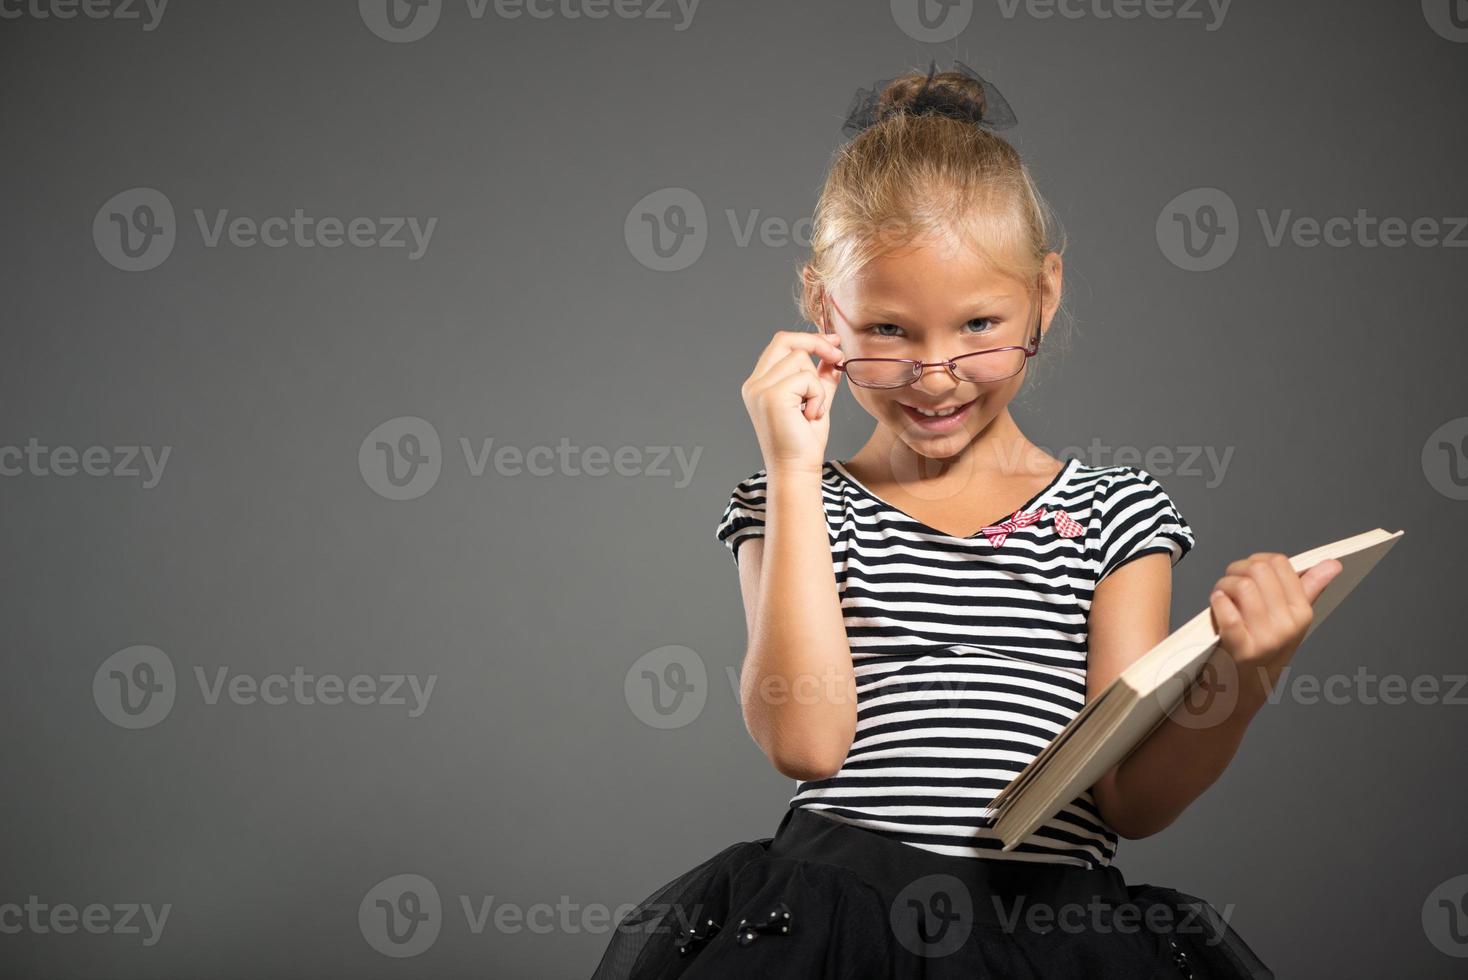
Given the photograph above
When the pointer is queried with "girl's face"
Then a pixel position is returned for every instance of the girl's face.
(932, 301)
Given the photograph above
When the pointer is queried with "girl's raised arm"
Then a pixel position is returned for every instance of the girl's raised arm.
(797, 687)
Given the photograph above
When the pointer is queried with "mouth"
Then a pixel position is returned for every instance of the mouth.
(941, 418)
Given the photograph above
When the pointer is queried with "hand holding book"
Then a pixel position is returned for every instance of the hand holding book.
(1256, 627)
(1262, 610)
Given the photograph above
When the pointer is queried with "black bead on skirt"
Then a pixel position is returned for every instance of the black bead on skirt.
(828, 899)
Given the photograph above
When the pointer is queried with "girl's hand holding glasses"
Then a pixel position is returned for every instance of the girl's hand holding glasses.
(789, 400)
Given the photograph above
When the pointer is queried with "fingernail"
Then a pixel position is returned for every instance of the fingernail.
(1217, 594)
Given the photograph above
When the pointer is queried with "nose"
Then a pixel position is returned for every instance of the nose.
(935, 380)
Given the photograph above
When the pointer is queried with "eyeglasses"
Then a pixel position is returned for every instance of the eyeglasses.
(980, 367)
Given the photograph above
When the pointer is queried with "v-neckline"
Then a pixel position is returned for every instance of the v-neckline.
(1040, 495)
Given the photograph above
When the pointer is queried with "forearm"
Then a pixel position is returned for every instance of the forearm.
(797, 687)
(1184, 755)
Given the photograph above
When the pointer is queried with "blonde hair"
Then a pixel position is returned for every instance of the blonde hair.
(933, 174)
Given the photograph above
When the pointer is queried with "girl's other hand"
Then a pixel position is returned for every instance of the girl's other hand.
(789, 399)
(1262, 610)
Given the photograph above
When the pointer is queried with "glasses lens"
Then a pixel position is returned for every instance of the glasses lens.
(879, 373)
(993, 366)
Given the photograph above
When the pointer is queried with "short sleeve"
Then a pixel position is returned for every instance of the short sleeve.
(744, 517)
(1136, 518)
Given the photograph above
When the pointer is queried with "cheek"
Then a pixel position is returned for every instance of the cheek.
(877, 403)
(1006, 392)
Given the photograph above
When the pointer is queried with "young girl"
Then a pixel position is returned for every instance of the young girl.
(925, 616)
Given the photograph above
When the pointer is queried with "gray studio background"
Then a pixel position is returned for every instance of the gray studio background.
(540, 315)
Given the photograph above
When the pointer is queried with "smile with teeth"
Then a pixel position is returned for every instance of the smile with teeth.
(937, 413)
(938, 419)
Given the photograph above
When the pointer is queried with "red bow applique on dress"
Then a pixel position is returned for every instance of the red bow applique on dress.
(998, 533)
(1066, 526)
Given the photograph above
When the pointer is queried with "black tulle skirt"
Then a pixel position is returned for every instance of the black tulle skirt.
(828, 899)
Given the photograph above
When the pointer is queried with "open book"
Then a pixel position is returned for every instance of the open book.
(1109, 727)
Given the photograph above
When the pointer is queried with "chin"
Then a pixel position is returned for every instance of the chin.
(937, 447)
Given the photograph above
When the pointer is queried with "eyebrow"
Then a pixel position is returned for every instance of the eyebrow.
(884, 313)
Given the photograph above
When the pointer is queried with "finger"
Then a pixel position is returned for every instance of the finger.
(1248, 598)
(777, 377)
(1229, 623)
(1297, 604)
(786, 341)
(1264, 571)
(814, 394)
(803, 388)
(792, 361)
(830, 379)
(1315, 578)
(778, 374)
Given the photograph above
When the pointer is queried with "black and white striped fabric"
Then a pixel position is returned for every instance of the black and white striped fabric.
(970, 656)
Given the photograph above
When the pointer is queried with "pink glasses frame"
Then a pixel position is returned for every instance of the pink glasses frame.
(918, 367)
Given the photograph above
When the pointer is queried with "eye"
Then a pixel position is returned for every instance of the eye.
(980, 325)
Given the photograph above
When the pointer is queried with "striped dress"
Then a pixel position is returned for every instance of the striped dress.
(970, 653)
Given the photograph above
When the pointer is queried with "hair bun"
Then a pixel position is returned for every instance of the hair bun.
(947, 93)
(960, 93)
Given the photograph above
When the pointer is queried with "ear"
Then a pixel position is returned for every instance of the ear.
(812, 299)
(1052, 276)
